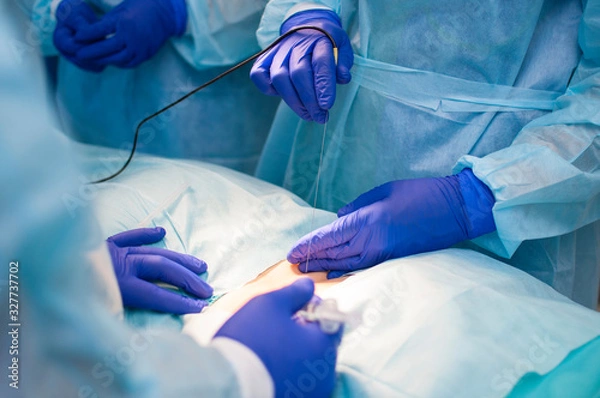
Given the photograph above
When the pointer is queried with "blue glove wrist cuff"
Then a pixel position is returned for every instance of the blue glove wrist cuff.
(180, 14)
(479, 201)
(310, 17)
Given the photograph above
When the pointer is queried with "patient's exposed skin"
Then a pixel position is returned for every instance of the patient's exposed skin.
(275, 277)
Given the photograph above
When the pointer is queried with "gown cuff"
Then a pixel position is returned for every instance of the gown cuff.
(304, 7)
(253, 377)
(479, 201)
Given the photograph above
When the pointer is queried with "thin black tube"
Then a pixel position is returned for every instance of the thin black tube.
(208, 83)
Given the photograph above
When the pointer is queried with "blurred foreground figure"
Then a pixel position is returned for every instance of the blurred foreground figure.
(72, 342)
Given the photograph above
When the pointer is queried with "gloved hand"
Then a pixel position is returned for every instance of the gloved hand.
(132, 32)
(136, 267)
(302, 70)
(288, 348)
(71, 16)
(398, 219)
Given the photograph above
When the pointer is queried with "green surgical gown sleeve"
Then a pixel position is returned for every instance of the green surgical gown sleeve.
(547, 183)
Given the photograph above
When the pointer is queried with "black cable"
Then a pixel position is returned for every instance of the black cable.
(208, 83)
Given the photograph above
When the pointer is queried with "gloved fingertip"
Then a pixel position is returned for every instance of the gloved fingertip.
(305, 285)
(296, 295)
(326, 100)
(303, 268)
(344, 211)
(346, 61)
(322, 117)
(335, 274)
(262, 80)
(196, 306)
(294, 257)
(270, 91)
(202, 266)
(207, 290)
(344, 78)
(303, 113)
(160, 230)
(206, 293)
(294, 260)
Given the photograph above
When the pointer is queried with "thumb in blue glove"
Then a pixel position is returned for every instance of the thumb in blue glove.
(398, 219)
(289, 349)
(136, 267)
(71, 16)
(301, 69)
(132, 32)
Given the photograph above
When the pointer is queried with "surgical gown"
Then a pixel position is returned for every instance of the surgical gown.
(508, 88)
(226, 123)
(70, 342)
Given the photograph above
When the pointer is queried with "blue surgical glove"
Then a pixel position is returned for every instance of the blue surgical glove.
(398, 219)
(301, 69)
(136, 267)
(71, 16)
(132, 32)
(289, 348)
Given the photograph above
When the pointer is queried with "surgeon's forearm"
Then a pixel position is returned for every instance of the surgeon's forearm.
(547, 183)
